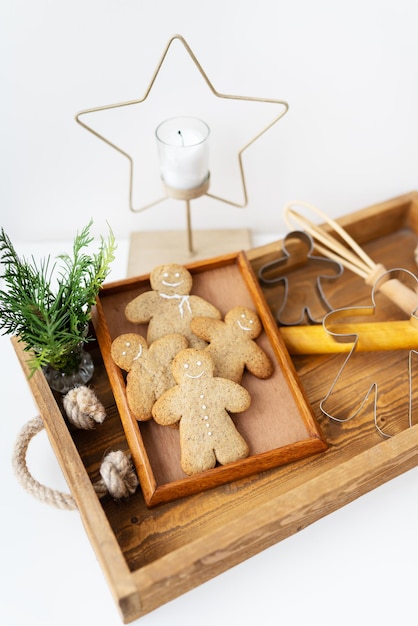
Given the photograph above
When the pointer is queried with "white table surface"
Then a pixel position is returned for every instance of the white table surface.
(356, 566)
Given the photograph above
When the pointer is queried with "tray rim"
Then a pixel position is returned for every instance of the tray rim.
(155, 493)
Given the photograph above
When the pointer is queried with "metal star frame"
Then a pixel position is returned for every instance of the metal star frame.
(282, 103)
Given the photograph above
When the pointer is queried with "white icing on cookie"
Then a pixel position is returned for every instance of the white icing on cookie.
(197, 375)
(241, 325)
(183, 300)
(168, 284)
(138, 356)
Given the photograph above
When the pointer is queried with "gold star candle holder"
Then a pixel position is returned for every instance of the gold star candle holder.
(149, 249)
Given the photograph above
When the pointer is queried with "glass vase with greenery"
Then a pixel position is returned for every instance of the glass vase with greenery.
(48, 305)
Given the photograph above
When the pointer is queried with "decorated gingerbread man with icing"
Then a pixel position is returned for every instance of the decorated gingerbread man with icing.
(231, 344)
(169, 307)
(149, 368)
(200, 403)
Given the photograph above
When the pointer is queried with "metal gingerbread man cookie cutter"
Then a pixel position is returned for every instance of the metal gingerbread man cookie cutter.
(299, 299)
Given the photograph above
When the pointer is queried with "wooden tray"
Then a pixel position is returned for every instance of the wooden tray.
(151, 556)
(279, 426)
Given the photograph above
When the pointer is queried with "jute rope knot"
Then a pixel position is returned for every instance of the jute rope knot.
(83, 408)
(117, 476)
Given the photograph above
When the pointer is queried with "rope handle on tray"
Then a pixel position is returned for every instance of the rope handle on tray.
(31, 485)
(117, 476)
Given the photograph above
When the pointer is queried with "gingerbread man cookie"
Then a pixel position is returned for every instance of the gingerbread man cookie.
(231, 344)
(169, 307)
(149, 368)
(200, 403)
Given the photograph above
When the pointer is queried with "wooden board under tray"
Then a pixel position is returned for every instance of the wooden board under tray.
(279, 426)
(152, 555)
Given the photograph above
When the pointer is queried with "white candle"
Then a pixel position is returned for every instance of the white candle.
(183, 148)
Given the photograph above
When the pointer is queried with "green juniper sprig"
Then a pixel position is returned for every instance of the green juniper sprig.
(52, 321)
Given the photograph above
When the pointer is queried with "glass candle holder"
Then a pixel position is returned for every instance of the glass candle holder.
(183, 146)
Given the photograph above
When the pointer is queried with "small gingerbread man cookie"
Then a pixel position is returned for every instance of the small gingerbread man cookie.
(149, 368)
(169, 307)
(200, 403)
(231, 344)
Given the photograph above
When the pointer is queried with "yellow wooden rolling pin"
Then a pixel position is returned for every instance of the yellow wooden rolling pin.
(397, 335)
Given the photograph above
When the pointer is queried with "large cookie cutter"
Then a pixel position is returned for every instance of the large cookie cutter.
(408, 345)
(290, 314)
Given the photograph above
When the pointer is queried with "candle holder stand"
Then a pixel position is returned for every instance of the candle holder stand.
(187, 195)
(224, 241)
(151, 248)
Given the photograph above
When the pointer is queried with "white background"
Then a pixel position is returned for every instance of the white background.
(349, 71)
(350, 74)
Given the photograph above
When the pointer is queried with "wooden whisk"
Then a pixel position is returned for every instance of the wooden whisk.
(349, 254)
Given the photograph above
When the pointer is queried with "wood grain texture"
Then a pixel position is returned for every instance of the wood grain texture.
(152, 555)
